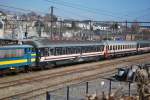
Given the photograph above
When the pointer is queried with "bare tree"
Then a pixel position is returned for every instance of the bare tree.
(135, 27)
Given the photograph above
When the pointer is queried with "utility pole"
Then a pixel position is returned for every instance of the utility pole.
(60, 29)
(126, 29)
(26, 32)
(51, 21)
(91, 34)
(126, 25)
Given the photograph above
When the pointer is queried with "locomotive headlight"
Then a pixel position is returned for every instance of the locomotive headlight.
(42, 59)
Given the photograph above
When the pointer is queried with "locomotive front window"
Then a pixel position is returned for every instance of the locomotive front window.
(11, 53)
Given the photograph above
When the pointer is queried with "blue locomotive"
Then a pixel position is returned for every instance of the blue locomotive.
(16, 56)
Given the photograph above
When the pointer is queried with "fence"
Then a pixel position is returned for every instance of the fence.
(100, 87)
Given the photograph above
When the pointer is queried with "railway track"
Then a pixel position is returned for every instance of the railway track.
(32, 93)
(55, 74)
(98, 70)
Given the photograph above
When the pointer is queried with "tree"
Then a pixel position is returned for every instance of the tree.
(114, 27)
(47, 17)
(135, 27)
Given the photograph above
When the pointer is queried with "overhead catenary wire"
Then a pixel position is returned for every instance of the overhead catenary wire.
(28, 10)
(93, 9)
(75, 14)
(21, 9)
(83, 9)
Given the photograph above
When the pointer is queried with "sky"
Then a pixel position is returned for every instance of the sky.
(117, 10)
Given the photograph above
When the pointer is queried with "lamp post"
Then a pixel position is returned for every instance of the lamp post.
(102, 85)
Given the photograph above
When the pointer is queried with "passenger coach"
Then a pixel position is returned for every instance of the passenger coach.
(119, 48)
(50, 52)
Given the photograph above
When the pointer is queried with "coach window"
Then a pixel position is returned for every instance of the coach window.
(46, 52)
(32, 50)
(118, 47)
(110, 47)
(121, 47)
(94, 48)
(77, 50)
(86, 49)
(83, 49)
(127, 46)
(55, 51)
(89, 49)
(113, 47)
(99, 48)
(71, 50)
(51, 51)
(130, 46)
(68, 50)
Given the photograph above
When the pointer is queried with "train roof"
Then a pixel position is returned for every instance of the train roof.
(120, 42)
(15, 47)
(143, 41)
(41, 43)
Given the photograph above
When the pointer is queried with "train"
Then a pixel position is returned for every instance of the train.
(44, 53)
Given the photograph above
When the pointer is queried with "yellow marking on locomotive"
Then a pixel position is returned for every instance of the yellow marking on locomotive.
(13, 62)
(33, 60)
(33, 54)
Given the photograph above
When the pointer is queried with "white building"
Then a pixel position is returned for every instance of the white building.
(1, 28)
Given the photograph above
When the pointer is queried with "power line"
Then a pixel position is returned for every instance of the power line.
(83, 9)
(95, 9)
(21, 9)
(142, 16)
(26, 10)
(78, 15)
